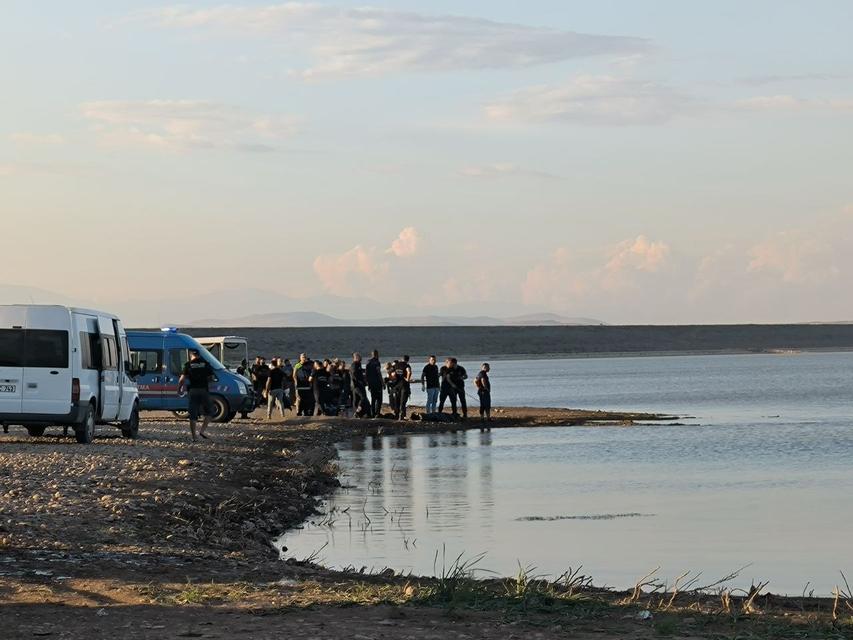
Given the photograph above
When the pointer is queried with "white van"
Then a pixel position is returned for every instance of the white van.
(65, 366)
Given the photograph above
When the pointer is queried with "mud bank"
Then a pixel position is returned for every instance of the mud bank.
(160, 537)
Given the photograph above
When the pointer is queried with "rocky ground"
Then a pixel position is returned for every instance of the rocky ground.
(160, 537)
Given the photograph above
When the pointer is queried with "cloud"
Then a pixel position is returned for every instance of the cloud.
(182, 125)
(599, 100)
(639, 254)
(406, 244)
(574, 281)
(796, 257)
(371, 41)
(504, 170)
(26, 138)
(344, 273)
(760, 81)
(364, 268)
(793, 104)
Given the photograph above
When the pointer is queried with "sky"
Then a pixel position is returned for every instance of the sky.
(631, 161)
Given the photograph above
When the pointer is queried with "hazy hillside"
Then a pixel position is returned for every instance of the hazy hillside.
(538, 341)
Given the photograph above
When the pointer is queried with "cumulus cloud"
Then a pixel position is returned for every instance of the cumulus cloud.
(640, 254)
(344, 273)
(600, 100)
(406, 244)
(504, 170)
(345, 41)
(352, 271)
(796, 256)
(575, 281)
(186, 125)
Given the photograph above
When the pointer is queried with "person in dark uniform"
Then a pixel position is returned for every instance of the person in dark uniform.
(197, 375)
(320, 386)
(358, 378)
(302, 381)
(373, 373)
(458, 376)
(484, 391)
(334, 396)
(448, 391)
(260, 373)
(431, 384)
(392, 383)
(403, 387)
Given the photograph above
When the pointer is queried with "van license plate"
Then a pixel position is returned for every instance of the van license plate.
(8, 388)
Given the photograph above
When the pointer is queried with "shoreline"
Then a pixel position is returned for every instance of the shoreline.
(181, 534)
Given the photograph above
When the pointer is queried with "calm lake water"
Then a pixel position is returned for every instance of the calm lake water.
(761, 475)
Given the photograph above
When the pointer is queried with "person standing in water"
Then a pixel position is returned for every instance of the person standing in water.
(484, 391)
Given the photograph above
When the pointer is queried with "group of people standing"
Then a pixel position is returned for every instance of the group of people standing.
(333, 387)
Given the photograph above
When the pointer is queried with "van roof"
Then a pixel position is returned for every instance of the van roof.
(83, 310)
(220, 338)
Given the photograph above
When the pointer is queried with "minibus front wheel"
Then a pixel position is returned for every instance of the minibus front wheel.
(220, 407)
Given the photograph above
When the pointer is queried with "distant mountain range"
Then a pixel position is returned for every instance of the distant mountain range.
(248, 307)
(313, 319)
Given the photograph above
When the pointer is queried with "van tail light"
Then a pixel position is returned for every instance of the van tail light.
(75, 390)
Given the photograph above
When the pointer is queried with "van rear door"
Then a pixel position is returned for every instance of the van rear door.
(47, 362)
(12, 320)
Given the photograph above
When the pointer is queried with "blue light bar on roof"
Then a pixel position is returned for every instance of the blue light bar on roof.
(169, 329)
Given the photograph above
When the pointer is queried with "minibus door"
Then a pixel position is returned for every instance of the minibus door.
(148, 361)
(110, 383)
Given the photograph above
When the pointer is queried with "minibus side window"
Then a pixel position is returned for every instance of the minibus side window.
(108, 351)
(11, 347)
(152, 358)
(177, 359)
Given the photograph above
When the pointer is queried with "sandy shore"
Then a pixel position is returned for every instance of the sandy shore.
(163, 538)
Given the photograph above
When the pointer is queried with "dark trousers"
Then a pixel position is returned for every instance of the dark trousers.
(359, 401)
(485, 402)
(394, 401)
(447, 392)
(306, 402)
(375, 400)
(403, 395)
(463, 403)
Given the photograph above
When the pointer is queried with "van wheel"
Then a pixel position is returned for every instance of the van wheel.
(220, 409)
(130, 429)
(230, 416)
(85, 432)
(36, 432)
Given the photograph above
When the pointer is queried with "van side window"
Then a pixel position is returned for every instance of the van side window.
(153, 360)
(108, 351)
(46, 349)
(177, 359)
(11, 347)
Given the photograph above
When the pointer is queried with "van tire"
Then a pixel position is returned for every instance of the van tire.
(36, 432)
(230, 416)
(85, 432)
(221, 410)
(130, 429)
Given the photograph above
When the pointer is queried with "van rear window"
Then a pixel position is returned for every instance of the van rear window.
(46, 349)
(11, 347)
